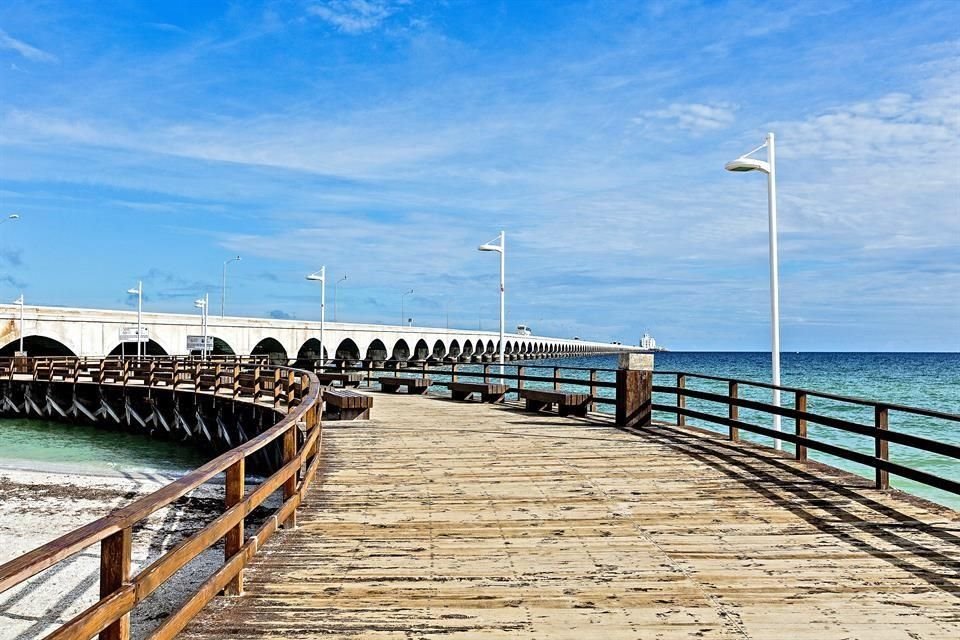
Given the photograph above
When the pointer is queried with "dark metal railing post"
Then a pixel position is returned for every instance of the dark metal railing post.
(881, 445)
(681, 399)
(733, 410)
(801, 430)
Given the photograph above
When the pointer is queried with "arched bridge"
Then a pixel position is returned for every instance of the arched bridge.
(96, 332)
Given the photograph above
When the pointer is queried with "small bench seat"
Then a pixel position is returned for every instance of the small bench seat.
(489, 392)
(346, 379)
(567, 403)
(343, 404)
(418, 386)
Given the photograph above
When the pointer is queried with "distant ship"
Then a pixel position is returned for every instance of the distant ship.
(524, 330)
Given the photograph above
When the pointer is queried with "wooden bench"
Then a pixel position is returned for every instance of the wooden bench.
(413, 385)
(567, 403)
(343, 404)
(489, 392)
(345, 379)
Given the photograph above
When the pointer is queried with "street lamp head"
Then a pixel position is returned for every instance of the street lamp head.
(19, 300)
(133, 292)
(490, 247)
(320, 275)
(747, 164)
(13, 216)
(200, 303)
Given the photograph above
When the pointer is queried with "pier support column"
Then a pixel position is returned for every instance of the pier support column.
(634, 389)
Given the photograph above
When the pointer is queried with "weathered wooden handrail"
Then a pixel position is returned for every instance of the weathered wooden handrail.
(296, 392)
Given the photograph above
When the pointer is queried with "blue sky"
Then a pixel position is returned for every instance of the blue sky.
(386, 139)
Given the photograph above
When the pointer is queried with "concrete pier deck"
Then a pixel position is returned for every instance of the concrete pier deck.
(440, 519)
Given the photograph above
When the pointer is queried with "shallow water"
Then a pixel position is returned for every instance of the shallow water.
(40, 444)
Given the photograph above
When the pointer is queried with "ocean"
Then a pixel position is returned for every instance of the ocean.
(926, 380)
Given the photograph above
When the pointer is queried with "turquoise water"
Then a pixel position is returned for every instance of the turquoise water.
(40, 444)
(926, 380)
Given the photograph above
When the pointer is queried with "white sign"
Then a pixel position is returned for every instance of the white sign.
(129, 334)
(195, 343)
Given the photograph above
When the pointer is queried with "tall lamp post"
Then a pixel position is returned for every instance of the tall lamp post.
(223, 288)
(321, 275)
(19, 301)
(769, 167)
(335, 285)
(139, 293)
(204, 305)
(501, 249)
(403, 315)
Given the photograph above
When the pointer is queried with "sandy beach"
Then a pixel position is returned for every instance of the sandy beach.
(37, 506)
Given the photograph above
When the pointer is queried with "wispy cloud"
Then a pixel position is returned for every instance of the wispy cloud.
(355, 16)
(693, 116)
(29, 52)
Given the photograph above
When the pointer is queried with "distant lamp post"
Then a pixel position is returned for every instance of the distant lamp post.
(321, 276)
(501, 249)
(139, 293)
(204, 305)
(335, 285)
(403, 314)
(223, 288)
(769, 167)
(19, 301)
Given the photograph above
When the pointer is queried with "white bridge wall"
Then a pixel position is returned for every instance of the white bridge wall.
(95, 332)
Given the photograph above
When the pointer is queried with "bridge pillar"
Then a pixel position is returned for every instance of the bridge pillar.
(634, 389)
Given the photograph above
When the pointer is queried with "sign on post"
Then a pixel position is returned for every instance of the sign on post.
(195, 343)
(129, 334)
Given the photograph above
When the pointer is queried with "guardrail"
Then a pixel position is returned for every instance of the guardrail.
(298, 433)
(732, 402)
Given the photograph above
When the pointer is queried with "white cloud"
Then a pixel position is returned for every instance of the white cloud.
(27, 51)
(693, 116)
(354, 16)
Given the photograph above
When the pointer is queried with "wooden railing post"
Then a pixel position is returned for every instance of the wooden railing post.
(733, 411)
(233, 541)
(634, 390)
(801, 430)
(453, 372)
(593, 389)
(290, 485)
(114, 572)
(681, 399)
(881, 445)
(521, 372)
(556, 374)
(486, 373)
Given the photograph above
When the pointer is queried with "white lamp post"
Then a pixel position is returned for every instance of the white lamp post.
(139, 293)
(502, 250)
(745, 163)
(335, 285)
(203, 304)
(322, 277)
(19, 301)
(403, 315)
(223, 288)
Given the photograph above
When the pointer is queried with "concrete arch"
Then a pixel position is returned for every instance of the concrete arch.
(421, 351)
(151, 348)
(272, 348)
(377, 351)
(467, 348)
(508, 348)
(309, 352)
(347, 350)
(36, 345)
(221, 348)
(400, 351)
(439, 351)
(491, 347)
(454, 350)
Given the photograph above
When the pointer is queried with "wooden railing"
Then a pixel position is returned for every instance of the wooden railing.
(801, 417)
(796, 414)
(297, 393)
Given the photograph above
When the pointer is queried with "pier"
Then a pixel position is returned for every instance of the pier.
(448, 518)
